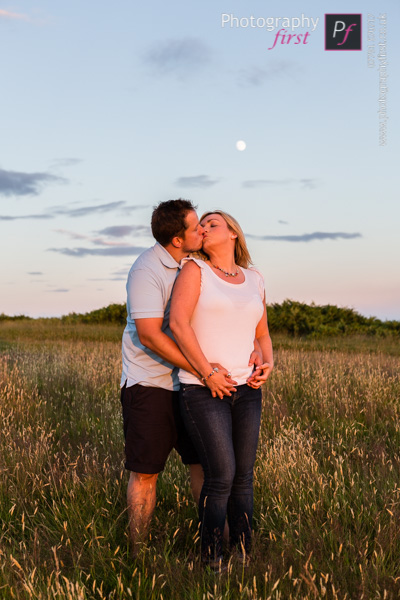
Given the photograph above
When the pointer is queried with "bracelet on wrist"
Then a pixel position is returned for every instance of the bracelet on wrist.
(215, 370)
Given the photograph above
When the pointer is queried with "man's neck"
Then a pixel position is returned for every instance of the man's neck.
(176, 253)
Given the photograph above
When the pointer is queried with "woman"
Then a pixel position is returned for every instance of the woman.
(217, 311)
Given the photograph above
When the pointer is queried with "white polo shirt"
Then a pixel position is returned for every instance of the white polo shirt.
(149, 287)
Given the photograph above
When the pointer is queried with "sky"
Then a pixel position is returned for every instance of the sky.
(106, 110)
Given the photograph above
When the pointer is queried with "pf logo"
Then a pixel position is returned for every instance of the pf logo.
(342, 32)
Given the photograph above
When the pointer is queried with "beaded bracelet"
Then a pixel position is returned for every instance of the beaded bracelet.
(215, 370)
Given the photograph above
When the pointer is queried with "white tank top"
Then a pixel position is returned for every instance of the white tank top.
(225, 320)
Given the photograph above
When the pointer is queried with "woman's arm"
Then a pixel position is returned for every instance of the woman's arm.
(184, 299)
(264, 340)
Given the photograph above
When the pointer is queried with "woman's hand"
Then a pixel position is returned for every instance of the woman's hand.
(260, 375)
(225, 372)
(220, 383)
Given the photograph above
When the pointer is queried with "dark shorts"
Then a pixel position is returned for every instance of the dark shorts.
(152, 427)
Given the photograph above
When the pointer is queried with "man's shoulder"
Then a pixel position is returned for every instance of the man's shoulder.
(145, 259)
(150, 281)
(155, 259)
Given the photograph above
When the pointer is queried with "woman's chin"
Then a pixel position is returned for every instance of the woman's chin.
(207, 244)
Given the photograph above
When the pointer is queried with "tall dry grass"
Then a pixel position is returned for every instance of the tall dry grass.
(327, 485)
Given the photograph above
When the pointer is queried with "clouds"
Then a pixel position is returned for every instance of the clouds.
(258, 183)
(106, 238)
(179, 57)
(109, 247)
(205, 181)
(125, 250)
(82, 211)
(6, 14)
(196, 181)
(112, 251)
(97, 241)
(184, 57)
(306, 237)
(118, 275)
(256, 76)
(19, 217)
(124, 230)
(65, 162)
(17, 183)
(119, 206)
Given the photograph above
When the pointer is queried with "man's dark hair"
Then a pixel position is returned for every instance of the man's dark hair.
(169, 220)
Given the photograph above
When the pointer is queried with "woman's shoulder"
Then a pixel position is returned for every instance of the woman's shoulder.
(254, 272)
(193, 269)
(257, 278)
(192, 260)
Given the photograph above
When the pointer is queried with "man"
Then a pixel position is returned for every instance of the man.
(149, 383)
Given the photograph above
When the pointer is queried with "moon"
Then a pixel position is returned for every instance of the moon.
(241, 145)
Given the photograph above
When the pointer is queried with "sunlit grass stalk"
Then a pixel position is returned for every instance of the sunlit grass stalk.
(327, 492)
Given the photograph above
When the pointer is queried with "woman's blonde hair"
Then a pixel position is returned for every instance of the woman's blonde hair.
(242, 254)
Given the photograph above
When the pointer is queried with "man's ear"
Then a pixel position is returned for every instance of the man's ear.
(177, 242)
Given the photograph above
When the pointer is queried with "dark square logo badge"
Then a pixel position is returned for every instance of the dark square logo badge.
(343, 32)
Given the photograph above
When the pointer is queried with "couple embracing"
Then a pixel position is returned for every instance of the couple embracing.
(196, 350)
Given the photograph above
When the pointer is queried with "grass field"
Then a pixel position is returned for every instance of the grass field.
(327, 477)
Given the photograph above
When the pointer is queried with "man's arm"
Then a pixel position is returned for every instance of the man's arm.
(146, 307)
(144, 296)
(263, 371)
(151, 335)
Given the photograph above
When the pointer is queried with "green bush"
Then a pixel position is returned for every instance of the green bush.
(290, 317)
(114, 313)
(299, 319)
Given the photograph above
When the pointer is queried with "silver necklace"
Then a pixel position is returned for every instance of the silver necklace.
(226, 273)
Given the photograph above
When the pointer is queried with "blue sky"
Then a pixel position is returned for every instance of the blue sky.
(109, 109)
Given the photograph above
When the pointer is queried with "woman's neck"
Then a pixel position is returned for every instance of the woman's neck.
(223, 260)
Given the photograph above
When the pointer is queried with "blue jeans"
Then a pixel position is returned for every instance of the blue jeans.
(225, 435)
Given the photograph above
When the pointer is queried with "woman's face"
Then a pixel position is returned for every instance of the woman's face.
(216, 231)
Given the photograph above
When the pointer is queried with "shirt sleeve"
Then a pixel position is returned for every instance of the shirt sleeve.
(200, 263)
(260, 282)
(145, 298)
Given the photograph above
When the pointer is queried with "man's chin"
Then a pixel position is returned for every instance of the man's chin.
(199, 247)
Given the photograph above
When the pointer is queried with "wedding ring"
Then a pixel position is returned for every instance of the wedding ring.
(229, 375)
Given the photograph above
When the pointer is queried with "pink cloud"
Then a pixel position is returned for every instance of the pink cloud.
(10, 15)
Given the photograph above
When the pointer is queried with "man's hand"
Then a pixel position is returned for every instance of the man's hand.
(256, 361)
(255, 358)
(260, 375)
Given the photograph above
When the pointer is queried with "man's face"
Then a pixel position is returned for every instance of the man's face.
(193, 237)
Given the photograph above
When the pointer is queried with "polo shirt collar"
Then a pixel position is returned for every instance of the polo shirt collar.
(165, 257)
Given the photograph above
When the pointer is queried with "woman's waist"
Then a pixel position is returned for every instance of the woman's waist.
(239, 374)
